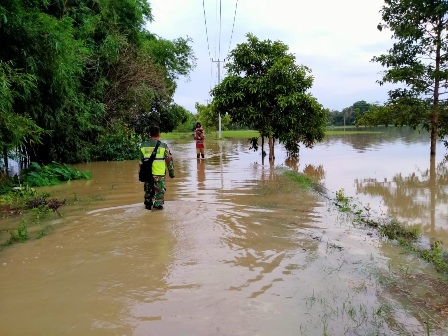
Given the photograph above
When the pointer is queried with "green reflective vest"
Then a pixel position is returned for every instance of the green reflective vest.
(158, 166)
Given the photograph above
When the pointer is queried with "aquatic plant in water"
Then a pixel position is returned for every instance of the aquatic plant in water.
(52, 174)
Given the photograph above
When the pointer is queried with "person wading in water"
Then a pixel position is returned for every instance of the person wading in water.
(155, 157)
(199, 137)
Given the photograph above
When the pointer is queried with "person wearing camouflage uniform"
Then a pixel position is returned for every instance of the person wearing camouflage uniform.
(155, 192)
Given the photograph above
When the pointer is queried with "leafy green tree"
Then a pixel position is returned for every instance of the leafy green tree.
(142, 81)
(175, 57)
(15, 129)
(267, 91)
(168, 117)
(134, 82)
(383, 115)
(361, 107)
(174, 115)
(98, 75)
(45, 48)
(118, 143)
(133, 71)
(418, 62)
(209, 118)
(350, 115)
(187, 125)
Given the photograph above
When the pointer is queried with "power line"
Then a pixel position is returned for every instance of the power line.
(216, 35)
(220, 24)
(206, 31)
(233, 26)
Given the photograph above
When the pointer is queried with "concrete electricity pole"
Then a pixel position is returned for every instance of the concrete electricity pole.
(219, 81)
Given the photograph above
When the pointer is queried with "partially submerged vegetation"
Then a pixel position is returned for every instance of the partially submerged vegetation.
(302, 180)
(55, 173)
(18, 197)
(390, 228)
(34, 207)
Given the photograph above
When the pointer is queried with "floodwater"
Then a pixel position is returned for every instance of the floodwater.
(238, 249)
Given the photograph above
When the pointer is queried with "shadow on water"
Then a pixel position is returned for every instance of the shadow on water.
(238, 250)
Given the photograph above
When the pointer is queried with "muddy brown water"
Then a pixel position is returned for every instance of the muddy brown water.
(238, 249)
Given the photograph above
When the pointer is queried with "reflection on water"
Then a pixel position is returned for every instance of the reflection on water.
(238, 250)
(392, 172)
(420, 198)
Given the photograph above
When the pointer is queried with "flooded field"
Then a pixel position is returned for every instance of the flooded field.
(239, 249)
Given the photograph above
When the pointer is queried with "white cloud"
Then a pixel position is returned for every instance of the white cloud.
(336, 39)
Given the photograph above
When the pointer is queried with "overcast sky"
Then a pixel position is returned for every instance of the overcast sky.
(335, 39)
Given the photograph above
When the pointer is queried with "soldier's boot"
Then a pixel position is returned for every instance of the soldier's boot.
(148, 203)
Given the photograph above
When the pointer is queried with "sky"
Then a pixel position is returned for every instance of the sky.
(335, 39)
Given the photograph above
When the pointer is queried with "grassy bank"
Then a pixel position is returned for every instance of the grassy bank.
(246, 134)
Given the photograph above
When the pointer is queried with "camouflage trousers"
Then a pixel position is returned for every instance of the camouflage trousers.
(155, 193)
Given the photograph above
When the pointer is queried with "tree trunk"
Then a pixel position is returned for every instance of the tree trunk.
(5, 160)
(432, 190)
(435, 111)
(271, 149)
(262, 150)
(262, 147)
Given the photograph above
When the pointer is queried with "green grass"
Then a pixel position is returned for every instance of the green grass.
(300, 179)
(239, 134)
(246, 134)
(339, 132)
(175, 136)
(212, 134)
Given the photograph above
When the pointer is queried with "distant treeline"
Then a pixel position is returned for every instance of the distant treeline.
(349, 115)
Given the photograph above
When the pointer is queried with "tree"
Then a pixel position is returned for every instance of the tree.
(97, 74)
(134, 82)
(209, 118)
(418, 60)
(167, 116)
(267, 91)
(175, 57)
(41, 41)
(15, 129)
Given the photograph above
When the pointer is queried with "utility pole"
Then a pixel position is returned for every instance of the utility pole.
(219, 81)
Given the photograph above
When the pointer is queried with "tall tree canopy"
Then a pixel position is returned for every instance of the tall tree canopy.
(418, 62)
(89, 70)
(267, 91)
(14, 128)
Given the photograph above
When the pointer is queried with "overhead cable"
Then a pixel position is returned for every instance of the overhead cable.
(220, 24)
(206, 31)
(233, 26)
